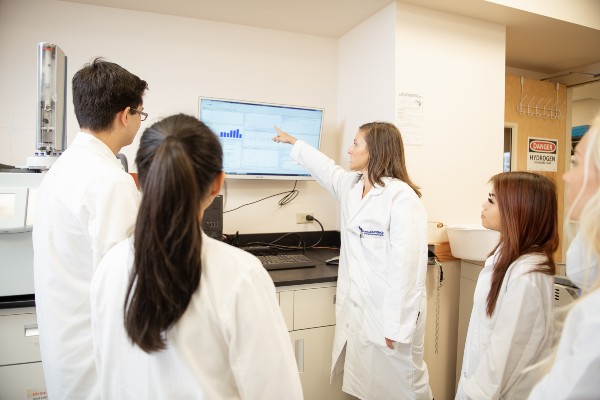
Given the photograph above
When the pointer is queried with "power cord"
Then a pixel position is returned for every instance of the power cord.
(289, 196)
(301, 244)
(311, 218)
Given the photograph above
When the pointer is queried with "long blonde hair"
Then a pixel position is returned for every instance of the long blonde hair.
(589, 228)
(588, 224)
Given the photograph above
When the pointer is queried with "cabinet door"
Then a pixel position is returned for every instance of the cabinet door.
(313, 356)
(23, 381)
(314, 308)
(467, 290)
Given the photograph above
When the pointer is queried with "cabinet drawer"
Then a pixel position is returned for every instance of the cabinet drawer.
(19, 341)
(314, 307)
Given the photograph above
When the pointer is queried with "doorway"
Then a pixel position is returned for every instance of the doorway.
(509, 161)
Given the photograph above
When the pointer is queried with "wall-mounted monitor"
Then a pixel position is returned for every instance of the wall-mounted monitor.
(246, 129)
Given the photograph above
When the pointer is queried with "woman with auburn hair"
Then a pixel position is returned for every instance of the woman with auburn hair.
(511, 321)
(574, 371)
(380, 300)
(175, 313)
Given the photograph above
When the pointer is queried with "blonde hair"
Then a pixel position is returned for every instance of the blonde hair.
(589, 228)
(588, 224)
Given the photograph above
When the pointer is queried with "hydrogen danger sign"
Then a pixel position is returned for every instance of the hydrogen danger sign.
(542, 154)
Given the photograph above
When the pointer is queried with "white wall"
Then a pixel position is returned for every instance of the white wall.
(457, 65)
(366, 75)
(181, 59)
(584, 111)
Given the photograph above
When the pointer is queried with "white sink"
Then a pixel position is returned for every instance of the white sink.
(472, 242)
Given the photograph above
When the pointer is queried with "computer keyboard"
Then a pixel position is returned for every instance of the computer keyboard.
(285, 261)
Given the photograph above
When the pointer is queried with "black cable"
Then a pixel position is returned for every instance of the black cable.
(311, 218)
(279, 246)
(300, 246)
(289, 196)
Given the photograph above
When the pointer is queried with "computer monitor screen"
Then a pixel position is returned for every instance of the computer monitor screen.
(246, 129)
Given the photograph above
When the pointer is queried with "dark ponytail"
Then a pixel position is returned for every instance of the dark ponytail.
(178, 159)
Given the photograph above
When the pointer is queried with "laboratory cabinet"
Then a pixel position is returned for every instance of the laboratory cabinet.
(21, 374)
(469, 273)
(309, 312)
(441, 327)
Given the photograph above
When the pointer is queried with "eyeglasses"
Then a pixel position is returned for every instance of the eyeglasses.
(491, 197)
(143, 115)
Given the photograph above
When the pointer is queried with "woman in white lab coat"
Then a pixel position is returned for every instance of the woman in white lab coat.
(381, 300)
(511, 322)
(175, 313)
(575, 371)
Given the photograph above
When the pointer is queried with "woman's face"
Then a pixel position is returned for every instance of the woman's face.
(575, 179)
(490, 215)
(359, 154)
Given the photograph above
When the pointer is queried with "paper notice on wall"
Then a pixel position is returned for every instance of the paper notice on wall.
(542, 154)
(409, 117)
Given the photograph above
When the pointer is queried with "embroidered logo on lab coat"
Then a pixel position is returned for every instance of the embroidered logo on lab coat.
(369, 233)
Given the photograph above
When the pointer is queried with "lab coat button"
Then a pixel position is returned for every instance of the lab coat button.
(347, 325)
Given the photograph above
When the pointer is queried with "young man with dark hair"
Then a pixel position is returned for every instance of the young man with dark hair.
(85, 204)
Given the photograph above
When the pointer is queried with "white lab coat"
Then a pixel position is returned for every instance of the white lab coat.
(86, 203)
(381, 283)
(518, 334)
(575, 373)
(230, 343)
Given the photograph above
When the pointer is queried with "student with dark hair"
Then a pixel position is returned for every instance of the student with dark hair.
(511, 322)
(177, 314)
(85, 204)
(381, 301)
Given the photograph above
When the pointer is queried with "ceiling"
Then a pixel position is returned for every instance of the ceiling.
(533, 42)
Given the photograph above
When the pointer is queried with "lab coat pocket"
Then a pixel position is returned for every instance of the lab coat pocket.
(374, 248)
(390, 352)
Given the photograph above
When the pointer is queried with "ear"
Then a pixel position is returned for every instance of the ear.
(215, 189)
(217, 184)
(123, 116)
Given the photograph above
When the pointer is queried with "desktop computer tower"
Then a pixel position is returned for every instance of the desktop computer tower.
(212, 221)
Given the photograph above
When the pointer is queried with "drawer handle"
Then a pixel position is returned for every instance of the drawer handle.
(31, 330)
(299, 348)
(334, 299)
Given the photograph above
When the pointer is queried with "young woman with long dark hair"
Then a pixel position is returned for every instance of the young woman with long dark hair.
(175, 313)
(511, 321)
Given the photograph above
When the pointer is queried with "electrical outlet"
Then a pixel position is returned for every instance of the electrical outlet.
(301, 217)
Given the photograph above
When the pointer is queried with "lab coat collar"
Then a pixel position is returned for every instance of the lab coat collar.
(89, 141)
(378, 189)
(357, 203)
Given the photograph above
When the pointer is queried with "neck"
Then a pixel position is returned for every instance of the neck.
(366, 184)
(108, 138)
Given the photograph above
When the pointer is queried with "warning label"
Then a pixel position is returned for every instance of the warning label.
(542, 154)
